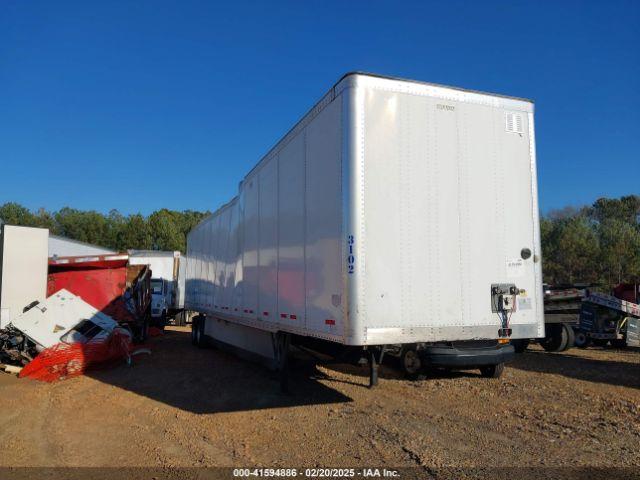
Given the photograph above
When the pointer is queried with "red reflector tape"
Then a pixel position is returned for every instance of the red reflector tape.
(283, 315)
(330, 322)
(293, 317)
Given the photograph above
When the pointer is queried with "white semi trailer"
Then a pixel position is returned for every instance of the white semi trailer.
(396, 216)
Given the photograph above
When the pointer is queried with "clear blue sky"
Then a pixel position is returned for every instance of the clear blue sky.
(138, 105)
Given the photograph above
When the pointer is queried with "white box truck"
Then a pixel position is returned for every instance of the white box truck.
(165, 281)
(396, 216)
(23, 269)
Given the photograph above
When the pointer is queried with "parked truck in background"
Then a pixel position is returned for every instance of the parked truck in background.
(610, 319)
(167, 299)
(397, 217)
(581, 315)
(562, 304)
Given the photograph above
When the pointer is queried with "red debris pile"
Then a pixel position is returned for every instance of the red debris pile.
(64, 360)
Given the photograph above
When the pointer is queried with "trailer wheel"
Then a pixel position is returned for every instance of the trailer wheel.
(556, 339)
(492, 371)
(410, 362)
(520, 344)
(571, 336)
(581, 340)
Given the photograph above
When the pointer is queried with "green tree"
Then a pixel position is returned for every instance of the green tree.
(116, 222)
(45, 219)
(620, 251)
(86, 226)
(15, 214)
(135, 234)
(166, 231)
(570, 250)
(625, 209)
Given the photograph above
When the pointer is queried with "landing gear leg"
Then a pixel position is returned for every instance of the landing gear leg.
(373, 369)
(283, 340)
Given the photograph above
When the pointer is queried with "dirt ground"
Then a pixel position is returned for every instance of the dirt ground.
(183, 406)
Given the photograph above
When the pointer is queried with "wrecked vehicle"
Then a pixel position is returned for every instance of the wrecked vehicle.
(62, 336)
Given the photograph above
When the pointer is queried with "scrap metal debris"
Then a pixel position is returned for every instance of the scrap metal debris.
(61, 337)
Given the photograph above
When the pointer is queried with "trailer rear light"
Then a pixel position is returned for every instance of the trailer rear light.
(503, 340)
(266, 314)
(293, 317)
(283, 315)
(330, 321)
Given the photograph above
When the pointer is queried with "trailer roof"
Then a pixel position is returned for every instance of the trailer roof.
(153, 253)
(419, 82)
(332, 93)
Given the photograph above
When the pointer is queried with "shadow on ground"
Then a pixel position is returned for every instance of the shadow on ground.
(391, 371)
(625, 374)
(209, 380)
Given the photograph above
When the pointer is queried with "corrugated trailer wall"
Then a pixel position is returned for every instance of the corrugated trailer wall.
(402, 203)
(273, 254)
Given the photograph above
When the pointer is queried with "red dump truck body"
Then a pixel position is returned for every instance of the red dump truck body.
(108, 283)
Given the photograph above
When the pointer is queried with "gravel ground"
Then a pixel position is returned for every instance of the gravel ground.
(183, 407)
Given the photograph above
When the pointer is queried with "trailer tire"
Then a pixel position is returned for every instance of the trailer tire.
(581, 340)
(492, 371)
(556, 338)
(410, 362)
(520, 344)
(571, 336)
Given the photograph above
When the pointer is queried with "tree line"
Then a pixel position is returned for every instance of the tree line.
(597, 244)
(162, 230)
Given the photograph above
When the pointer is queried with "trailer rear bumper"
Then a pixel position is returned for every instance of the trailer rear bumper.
(450, 356)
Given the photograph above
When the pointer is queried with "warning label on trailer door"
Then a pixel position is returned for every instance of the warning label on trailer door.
(515, 268)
